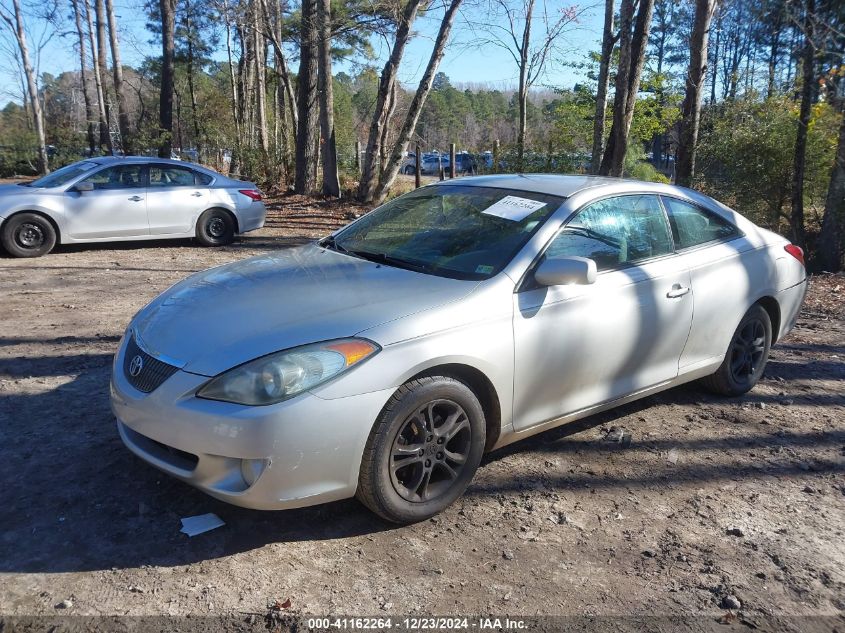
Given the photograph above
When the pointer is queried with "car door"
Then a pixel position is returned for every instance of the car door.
(724, 271)
(577, 346)
(115, 207)
(175, 197)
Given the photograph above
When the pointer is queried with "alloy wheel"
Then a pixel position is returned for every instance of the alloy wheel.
(430, 451)
(747, 350)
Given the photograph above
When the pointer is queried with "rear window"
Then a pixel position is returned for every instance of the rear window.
(692, 225)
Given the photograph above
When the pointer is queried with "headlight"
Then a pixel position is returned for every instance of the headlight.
(276, 377)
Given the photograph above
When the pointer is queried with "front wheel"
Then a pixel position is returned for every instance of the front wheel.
(28, 235)
(747, 355)
(423, 450)
(215, 228)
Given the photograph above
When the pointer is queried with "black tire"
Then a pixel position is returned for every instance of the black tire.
(409, 171)
(410, 442)
(215, 227)
(747, 354)
(28, 235)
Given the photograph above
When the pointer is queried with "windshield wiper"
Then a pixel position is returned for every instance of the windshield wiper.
(392, 260)
(331, 242)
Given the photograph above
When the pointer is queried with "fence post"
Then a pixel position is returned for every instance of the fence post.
(358, 156)
(451, 160)
(418, 168)
(496, 156)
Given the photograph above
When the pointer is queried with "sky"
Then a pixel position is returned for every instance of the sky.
(466, 60)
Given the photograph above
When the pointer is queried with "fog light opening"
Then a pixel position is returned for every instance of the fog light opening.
(251, 470)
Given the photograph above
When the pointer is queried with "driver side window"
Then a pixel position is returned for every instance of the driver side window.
(615, 232)
(119, 177)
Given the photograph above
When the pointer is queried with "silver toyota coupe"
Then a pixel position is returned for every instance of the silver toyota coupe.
(118, 199)
(383, 361)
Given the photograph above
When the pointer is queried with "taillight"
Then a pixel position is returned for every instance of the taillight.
(795, 251)
(254, 194)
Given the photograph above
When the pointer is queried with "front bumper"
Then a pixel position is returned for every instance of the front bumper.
(305, 451)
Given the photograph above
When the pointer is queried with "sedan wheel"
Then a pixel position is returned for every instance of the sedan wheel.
(28, 235)
(423, 450)
(747, 355)
(215, 228)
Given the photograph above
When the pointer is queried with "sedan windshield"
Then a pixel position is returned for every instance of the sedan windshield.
(457, 231)
(63, 175)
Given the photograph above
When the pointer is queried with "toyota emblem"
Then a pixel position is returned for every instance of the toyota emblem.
(135, 366)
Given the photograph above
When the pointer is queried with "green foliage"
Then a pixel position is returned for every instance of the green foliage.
(637, 168)
(746, 153)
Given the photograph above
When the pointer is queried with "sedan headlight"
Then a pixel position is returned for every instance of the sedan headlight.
(282, 375)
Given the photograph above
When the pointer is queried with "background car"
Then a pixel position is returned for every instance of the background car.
(383, 361)
(119, 199)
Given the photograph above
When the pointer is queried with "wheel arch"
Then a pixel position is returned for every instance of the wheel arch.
(40, 213)
(483, 389)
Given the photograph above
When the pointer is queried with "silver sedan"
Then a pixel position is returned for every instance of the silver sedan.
(383, 361)
(118, 199)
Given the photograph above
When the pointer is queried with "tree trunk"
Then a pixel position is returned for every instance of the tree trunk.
(282, 70)
(119, 88)
(369, 171)
(796, 218)
(829, 252)
(523, 86)
(165, 104)
(774, 47)
(307, 133)
(691, 108)
(191, 66)
(394, 162)
(331, 184)
(716, 58)
(234, 156)
(601, 92)
(98, 80)
(16, 25)
(261, 80)
(86, 95)
(102, 67)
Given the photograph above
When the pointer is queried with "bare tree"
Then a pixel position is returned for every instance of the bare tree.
(15, 22)
(83, 71)
(119, 88)
(511, 28)
(168, 51)
(829, 255)
(691, 107)
(98, 80)
(331, 184)
(632, 47)
(102, 69)
(383, 109)
(391, 166)
(307, 133)
(796, 218)
(607, 42)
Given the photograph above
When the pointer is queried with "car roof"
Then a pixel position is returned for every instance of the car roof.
(552, 184)
(107, 160)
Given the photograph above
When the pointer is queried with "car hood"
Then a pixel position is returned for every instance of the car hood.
(13, 189)
(225, 316)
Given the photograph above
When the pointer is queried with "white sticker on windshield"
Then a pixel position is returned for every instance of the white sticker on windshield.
(514, 208)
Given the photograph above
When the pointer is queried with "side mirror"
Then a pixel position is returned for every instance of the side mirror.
(83, 186)
(558, 271)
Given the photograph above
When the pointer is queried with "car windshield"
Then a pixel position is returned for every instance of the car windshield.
(457, 231)
(63, 175)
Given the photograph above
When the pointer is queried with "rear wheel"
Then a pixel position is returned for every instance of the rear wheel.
(747, 355)
(215, 227)
(28, 235)
(423, 451)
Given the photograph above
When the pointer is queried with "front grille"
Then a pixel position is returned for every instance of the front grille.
(152, 371)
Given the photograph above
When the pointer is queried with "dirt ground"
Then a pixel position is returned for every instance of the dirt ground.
(718, 510)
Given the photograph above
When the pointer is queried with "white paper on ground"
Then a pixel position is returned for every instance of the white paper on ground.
(514, 208)
(201, 523)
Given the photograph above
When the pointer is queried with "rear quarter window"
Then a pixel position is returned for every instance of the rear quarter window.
(692, 225)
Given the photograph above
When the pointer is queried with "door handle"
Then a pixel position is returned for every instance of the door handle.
(677, 291)
(197, 194)
(136, 198)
